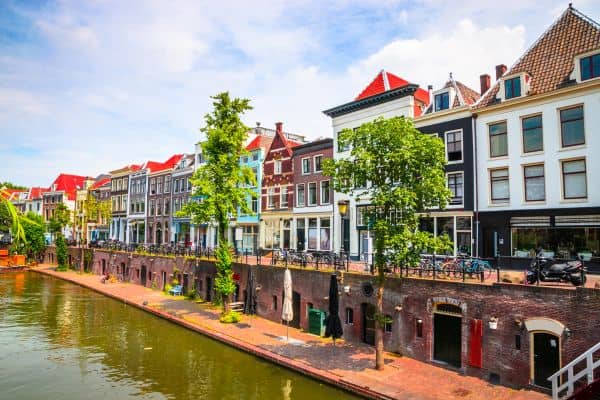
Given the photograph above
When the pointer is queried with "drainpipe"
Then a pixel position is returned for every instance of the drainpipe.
(476, 197)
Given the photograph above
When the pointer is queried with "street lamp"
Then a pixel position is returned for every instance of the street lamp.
(343, 210)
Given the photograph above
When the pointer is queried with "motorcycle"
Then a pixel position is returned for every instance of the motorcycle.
(548, 270)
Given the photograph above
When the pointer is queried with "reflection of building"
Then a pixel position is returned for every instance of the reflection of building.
(313, 206)
(386, 96)
(448, 117)
(260, 140)
(277, 192)
(538, 131)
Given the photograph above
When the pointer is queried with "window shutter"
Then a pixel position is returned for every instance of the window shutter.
(475, 353)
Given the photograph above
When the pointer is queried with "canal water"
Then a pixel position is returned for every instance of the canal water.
(62, 341)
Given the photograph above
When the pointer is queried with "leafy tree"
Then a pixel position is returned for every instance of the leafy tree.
(61, 253)
(60, 219)
(402, 174)
(97, 210)
(10, 217)
(35, 244)
(10, 185)
(222, 184)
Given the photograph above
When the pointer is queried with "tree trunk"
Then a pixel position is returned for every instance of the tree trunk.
(379, 358)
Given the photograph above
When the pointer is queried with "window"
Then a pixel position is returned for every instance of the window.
(499, 185)
(388, 324)
(254, 206)
(277, 166)
(159, 184)
(442, 101)
(312, 194)
(574, 179)
(318, 162)
(271, 197)
(300, 195)
(152, 210)
(167, 184)
(245, 160)
(571, 126)
(532, 134)
(535, 186)
(455, 184)
(255, 156)
(590, 67)
(454, 146)
(512, 88)
(325, 234)
(342, 145)
(274, 305)
(167, 206)
(159, 207)
(189, 184)
(305, 166)
(498, 140)
(152, 186)
(312, 234)
(283, 195)
(349, 316)
(175, 185)
(325, 192)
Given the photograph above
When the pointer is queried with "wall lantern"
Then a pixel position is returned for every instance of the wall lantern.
(398, 308)
(343, 207)
(567, 332)
(347, 289)
(493, 323)
(258, 288)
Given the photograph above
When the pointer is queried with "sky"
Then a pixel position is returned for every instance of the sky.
(89, 86)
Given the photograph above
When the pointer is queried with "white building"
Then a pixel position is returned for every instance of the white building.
(538, 140)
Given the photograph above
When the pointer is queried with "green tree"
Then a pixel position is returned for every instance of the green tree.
(401, 172)
(60, 219)
(35, 244)
(10, 218)
(222, 184)
(10, 185)
(61, 253)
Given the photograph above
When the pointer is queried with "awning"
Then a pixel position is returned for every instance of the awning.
(530, 221)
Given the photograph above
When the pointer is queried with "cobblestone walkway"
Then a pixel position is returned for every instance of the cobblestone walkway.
(348, 365)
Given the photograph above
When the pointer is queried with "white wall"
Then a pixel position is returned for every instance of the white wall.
(551, 155)
(403, 106)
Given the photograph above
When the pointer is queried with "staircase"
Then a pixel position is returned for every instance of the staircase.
(585, 367)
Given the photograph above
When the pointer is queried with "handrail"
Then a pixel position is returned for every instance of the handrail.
(572, 378)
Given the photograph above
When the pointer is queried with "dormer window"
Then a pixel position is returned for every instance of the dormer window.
(442, 101)
(590, 66)
(512, 88)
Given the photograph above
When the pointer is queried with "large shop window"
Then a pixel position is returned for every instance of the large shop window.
(533, 139)
(571, 126)
(312, 234)
(457, 228)
(574, 180)
(563, 242)
(325, 234)
(535, 185)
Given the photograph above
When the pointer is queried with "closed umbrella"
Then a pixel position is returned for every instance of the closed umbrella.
(333, 325)
(250, 299)
(287, 313)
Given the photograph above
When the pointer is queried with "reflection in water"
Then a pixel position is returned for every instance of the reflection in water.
(61, 341)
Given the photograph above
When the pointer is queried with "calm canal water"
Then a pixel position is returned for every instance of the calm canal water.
(62, 341)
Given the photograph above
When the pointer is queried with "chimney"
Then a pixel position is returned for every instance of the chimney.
(430, 91)
(500, 70)
(279, 127)
(484, 83)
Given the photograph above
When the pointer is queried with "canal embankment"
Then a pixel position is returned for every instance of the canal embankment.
(347, 365)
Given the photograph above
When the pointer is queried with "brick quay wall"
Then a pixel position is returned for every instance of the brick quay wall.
(502, 354)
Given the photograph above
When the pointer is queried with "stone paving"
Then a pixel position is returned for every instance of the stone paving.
(348, 365)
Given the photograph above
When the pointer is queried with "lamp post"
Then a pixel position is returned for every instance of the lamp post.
(343, 210)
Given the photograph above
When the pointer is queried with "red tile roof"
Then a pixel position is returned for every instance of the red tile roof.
(11, 194)
(385, 81)
(101, 183)
(36, 193)
(171, 162)
(69, 184)
(260, 142)
(549, 61)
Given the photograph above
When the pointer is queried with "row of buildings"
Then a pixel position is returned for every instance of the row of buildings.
(520, 166)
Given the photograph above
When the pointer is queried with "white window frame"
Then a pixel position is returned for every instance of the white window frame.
(562, 181)
(270, 195)
(451, 96)
(576, 74)
(316, 194)
(277, 167)
(524, 81)
(462, 145)
(462, 203)
(499, 202)
(321, 192)
(303, 204)
(282, 190)
(315, 163)
(303, 171)
(523, 168)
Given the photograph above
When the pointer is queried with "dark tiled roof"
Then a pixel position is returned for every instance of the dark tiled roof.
(464, 95)
(549, 61)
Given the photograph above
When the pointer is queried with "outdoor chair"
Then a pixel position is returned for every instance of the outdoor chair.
(176, 290)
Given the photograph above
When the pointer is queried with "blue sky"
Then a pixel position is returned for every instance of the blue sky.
(89, 86)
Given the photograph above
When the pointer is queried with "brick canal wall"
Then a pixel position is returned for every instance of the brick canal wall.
(506, 352)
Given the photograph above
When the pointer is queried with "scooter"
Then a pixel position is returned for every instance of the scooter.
(547, 270)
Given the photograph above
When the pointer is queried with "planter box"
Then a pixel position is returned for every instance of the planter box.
(18, 259)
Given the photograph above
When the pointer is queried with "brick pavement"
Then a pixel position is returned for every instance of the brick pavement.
(348, 365)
